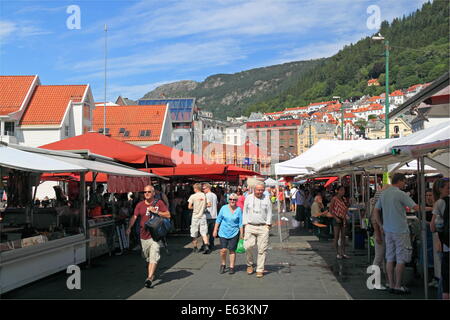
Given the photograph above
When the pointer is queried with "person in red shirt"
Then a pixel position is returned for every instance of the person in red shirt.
(150, 248)
(339, 209)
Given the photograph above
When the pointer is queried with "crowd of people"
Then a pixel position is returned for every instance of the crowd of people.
(238, 213)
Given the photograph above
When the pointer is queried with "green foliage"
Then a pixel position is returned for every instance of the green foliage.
(419, 52)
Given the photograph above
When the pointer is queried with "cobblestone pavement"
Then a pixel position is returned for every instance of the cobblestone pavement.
(299, 267)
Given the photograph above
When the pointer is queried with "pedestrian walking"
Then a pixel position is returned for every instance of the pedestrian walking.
(440, 224)
(150, 248)
(257, 220)
(211, 212)
(229, 228)
(396, 231)
(197, 202)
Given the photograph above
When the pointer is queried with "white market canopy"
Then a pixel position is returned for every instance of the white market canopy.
(49, 161)
(326, 153)
(433, 143)
(270, 182)
(26, 161)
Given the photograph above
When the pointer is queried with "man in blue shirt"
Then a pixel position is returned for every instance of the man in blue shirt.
(395, 227)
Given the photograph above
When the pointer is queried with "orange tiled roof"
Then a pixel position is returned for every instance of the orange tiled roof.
(13, 90)
(375, 106)
(375, 98)
(49, 104)
(349, 115)
(396, 93)
(133, 119)
(372, 81)
(325, 102)
(296, 108)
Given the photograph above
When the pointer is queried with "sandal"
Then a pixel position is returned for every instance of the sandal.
(339, 257)
(345, 256)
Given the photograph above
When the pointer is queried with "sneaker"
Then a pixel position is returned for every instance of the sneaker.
(222, 269)
(231, 271)
(402, 290)
(259, 274)
(202, 248)
(433, 283)
(148, 283)
(250, 270)
(207, 251)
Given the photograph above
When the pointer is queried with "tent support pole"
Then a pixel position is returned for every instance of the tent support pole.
(278, 210)
(422, 204)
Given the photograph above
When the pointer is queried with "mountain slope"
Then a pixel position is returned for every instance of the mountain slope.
(232, 94)
(419, 52)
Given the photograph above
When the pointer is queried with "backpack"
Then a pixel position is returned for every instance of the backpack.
(444, 235)
(158, 226)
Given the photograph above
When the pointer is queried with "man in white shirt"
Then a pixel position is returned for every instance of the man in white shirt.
(197, 203)
(211, 212)
(257, 221)
(293, 194)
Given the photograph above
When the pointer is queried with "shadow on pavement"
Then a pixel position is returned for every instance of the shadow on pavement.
(352, 273)
(173, 275)
(108, 277)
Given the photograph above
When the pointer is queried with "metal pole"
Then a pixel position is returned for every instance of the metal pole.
(104, 107)
(278, 210)
(342, 121)
(387, 90)
(422, 203)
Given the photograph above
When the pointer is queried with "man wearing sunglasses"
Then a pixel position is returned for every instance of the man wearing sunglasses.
(150, 248)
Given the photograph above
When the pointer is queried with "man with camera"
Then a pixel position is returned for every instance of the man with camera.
(150, 248)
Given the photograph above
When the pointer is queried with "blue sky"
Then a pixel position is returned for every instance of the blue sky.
(152, 42)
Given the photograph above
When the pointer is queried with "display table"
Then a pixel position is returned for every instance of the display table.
(101, 236)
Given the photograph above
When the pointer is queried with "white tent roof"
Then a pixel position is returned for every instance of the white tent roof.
(326, 153)
(27, 161)
(432, 142)
(270, 182)
(42, 160)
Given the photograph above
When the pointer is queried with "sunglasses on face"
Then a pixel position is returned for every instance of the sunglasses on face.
(148, 191)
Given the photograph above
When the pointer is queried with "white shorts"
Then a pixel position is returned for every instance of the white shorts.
(150, 250)
(199, 225)
(398, 247)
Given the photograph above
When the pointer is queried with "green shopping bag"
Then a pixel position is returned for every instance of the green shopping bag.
(240, 246)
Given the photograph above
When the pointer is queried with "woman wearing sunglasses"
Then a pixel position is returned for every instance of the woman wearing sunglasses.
(229, 229)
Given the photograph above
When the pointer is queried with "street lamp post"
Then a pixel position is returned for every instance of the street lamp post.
(386, 98)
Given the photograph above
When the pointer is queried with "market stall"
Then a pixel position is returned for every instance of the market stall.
(37, 241)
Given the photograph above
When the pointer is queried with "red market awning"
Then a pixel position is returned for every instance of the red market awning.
(176, 155)
(121, 151)
(330, 180)
(214, 171)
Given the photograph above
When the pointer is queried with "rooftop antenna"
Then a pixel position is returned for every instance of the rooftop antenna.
(104, 107)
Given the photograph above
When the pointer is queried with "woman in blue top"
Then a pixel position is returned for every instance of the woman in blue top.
(230, 231)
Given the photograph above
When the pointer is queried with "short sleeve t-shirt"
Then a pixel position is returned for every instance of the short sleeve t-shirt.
(211, 212)
(230, 222)
(393, 202)
(141, 210)
(198, 201)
